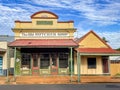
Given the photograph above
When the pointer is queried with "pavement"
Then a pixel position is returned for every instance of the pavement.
(89, 86)
(20, 80)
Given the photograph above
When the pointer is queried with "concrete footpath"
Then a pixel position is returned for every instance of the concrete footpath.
(58, 80)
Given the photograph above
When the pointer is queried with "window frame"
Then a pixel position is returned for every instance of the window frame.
(63, 58)
(91, 63)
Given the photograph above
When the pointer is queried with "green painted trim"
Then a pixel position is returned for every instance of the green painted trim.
(71, 63)
(79, 62)
(66, 71)
(47, 71)
(8, 59)
(44, 22)
(17, 62)
(95, 75)
(14, 63)
(78, 65)
(29, 72)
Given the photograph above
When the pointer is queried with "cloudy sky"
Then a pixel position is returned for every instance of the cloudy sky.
(102, 16)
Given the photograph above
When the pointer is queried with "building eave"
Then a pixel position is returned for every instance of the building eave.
(100, 54)
(44, 29)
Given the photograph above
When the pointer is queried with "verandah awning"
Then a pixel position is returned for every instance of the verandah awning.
(43, 43)
(98, 51)
(2, 50)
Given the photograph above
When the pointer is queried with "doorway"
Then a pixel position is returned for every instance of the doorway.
(54, 64)
(35, 66)
(105, 64)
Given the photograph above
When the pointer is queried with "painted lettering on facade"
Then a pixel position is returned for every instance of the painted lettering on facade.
(44, 34)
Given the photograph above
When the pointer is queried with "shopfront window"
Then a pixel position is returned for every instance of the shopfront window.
(25, 63)
(44, 61)
(63, 60)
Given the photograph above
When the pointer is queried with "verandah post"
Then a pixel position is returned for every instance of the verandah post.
(78, 65)
(7, 79)
(14, 63)
(71, 63)
(108, 61)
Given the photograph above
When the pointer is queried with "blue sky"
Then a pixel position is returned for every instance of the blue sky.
(102, 16)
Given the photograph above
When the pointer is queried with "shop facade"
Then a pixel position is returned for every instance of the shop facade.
(43, 46)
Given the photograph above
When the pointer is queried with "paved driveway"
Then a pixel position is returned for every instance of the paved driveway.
(93, 86)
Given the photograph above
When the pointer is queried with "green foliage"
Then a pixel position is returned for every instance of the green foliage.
(118, 49)
(105, 39)
(17, 62)
(118, 74)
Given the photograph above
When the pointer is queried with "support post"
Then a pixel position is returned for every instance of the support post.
(7, 79)
(14, 63)
(71, 63)
(108, 61)
(78, 65)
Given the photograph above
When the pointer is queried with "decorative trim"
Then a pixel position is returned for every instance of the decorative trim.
(23, 22)
(44, 29)
(56, 17)
(65, 21)
(44, 18)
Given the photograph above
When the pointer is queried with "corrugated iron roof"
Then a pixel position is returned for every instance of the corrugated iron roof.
(96, 50)
(2, 50)
(43, 43)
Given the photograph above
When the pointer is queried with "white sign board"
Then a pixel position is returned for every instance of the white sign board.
(44, 34)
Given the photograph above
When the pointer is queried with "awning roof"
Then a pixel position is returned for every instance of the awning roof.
(97, 51)
(43, 43)
(2, 50)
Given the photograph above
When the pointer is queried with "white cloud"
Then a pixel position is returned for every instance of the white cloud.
(103, 14)
(95, 13)
(112, 37)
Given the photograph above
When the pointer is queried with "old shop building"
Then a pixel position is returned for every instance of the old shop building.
(43, 45)
(46, 46)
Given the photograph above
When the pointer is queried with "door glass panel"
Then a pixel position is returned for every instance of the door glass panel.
(35, 61)
(54, 59)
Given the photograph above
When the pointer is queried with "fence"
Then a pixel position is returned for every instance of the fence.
(115, 67)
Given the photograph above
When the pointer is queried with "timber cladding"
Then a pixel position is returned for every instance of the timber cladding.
(115, 67)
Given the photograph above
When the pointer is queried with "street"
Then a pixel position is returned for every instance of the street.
(92, 86)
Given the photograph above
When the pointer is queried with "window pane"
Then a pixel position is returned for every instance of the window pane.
(25, 60)
(91, 63)
(63, 60)
(44, 61)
